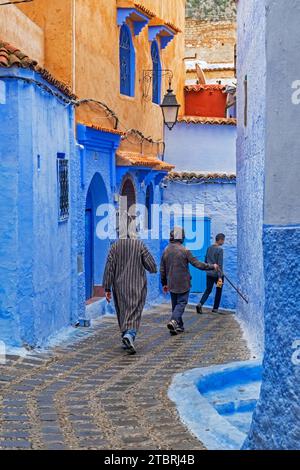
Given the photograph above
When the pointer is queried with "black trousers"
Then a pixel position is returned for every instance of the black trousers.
(210, 281)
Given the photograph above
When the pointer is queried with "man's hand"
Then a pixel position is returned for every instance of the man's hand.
(220, 283)
(216, 267)
(165, 289)
(108, 297)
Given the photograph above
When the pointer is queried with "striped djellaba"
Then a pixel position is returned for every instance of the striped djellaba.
(125, 273)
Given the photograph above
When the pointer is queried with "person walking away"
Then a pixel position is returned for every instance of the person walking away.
(214, 254)
(176, 277)
(125, 276)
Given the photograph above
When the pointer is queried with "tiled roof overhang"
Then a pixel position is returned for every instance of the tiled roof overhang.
(158, 28)
(200, 88)
(11, 56)
(101, 128)
(208, 120)
(139, 15)
(126, 158)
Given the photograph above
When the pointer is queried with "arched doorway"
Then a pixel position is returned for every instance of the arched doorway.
(96, 250)
(127, 207)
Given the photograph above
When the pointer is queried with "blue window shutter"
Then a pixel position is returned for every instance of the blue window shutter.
(156, 65)
(127, 62)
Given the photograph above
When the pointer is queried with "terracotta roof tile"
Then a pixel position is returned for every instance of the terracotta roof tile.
(173, 26)
(11, 56)
(193, 176)
(138, 6)
(136, 159)
(145, 10)
(211, 87)
(208, 120)
(101, 128)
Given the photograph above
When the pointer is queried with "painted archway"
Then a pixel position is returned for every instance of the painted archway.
(96, 250)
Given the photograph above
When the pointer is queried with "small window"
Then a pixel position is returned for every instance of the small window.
(127, 62)
(63, 186)
(156, 66)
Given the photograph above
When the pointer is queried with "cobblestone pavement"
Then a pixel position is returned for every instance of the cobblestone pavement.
(89, 394)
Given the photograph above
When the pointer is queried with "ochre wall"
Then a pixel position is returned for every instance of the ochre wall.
(92, 68)
(21, 32)
(55, 18)
(97, 62)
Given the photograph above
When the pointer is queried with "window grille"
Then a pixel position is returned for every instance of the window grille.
(63, 187)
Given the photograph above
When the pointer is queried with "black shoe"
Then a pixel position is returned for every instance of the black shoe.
(199, 309)
(180, 329)
(215, 310)
(128, 343)
(173, 327)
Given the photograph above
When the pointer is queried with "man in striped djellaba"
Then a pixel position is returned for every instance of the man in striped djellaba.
(125, 276)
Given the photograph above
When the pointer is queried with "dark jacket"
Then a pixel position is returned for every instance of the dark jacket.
(214, 255)
(174, 268)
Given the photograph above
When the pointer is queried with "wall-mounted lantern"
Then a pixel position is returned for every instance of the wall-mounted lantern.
(169, 106)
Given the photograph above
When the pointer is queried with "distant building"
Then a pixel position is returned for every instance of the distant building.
(203, 150)
(81, 126)
(210, 40)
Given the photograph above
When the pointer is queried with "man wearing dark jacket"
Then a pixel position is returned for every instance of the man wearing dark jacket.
(214, 254)
(176, 278)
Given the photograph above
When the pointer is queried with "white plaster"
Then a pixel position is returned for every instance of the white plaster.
(282, 202)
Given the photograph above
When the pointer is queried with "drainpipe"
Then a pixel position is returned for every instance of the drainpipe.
(82, 164)
(74, 47)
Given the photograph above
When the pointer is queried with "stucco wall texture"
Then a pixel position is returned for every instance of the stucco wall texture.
(89, 63)
(36, 251)
(277, 416)
(250, 168)
(22, 32)
(202, 147)
(276, 419)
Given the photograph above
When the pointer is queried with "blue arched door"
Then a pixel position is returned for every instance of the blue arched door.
(89, 246)
(96, 246)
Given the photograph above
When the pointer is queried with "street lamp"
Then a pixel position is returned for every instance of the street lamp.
(170, 108)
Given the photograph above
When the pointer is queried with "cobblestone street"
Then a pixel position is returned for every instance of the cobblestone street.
(91, 395)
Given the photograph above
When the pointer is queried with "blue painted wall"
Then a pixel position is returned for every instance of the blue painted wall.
(250, 168)
(155, 245)
(219, 201)
(98, 161)
(202, 147)
(269, 36)
(36, 250)
(97, 157)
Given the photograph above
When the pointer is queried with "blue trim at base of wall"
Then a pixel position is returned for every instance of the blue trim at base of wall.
(276, 419)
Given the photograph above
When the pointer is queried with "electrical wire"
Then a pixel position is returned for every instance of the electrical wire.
(67, 101)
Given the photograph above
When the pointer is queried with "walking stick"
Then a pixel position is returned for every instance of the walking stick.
(236, 289)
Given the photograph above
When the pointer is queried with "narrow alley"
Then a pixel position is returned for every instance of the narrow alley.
(89, 394)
